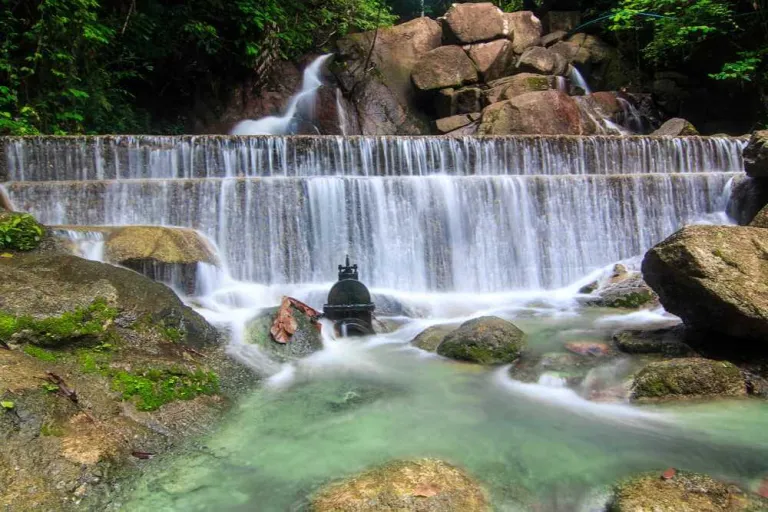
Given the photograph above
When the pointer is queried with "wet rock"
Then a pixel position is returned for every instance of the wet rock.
(513, 86)
(467, 100)
(715, 278)
(493, 60)
(475, 22)
(447, 66)
(588, 348)
(756, 155)
(687, 378)
(47, 285)
(390, 305)
(431, 337)
(484, 340)
(425, 485)
(305, 340)
(449, 124)
(681, 492)
(380, 89)
(676, 127)
(541, 61)
(545, 112)
(669, 342)
(624, 289)
(748, 197)
(524, 30)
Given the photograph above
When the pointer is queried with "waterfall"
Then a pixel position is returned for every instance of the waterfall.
(417, 213)
(342, 112)
(280, 125)
(578, 79)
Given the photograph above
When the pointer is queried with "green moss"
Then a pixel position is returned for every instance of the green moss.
(19, 232)
(173, 334)
(631, 300)
(153, 388)
(40, 353)
(7, 326)
(51, 430)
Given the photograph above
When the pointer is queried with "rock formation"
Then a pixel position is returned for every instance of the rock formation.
(485, 340)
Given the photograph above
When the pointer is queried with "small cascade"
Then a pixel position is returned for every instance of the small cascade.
(281, 125)
(631, 117)
(87, 244)
(341, 110)
(578, 79)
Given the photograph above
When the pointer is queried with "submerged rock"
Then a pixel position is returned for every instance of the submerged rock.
(431, 337)
(676, 127)
(425, 485)
(305, 340)
(475, 22)
(681, 491)
(484, 340)
(756, 155)
(688, 378)
(669, 341)
(715, 278)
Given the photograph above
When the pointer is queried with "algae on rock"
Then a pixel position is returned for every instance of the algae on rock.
(688, 378)
(485, 340)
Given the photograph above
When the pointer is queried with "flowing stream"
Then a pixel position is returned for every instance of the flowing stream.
(444, 230)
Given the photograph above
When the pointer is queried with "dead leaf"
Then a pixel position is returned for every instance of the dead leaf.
(285, 324)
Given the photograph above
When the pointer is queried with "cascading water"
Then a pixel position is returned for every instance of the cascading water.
(578, 79)
(342, 112)
(470, 215)
(281, 125)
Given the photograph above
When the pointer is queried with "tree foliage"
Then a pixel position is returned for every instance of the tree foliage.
(91, 66)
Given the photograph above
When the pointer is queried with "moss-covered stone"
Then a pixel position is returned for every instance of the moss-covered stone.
(305, 341)
(425, 485)
(669, 342)
(431, 337)
(19, 231)
(688, 378)
(484, 340)
(151, 388)
(683, 492)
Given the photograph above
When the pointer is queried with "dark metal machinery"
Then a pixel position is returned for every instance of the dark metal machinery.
(349, 304)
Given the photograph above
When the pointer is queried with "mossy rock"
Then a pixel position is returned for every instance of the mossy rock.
(688, 378)
(425, 485)
(19, 231)
(485, 340)
(55, 287)
(157, 243)
(306, 340)
(668, 342)
(431, 337)
(683, 492)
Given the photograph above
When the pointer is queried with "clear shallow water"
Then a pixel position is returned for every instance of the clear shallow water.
(362, 402)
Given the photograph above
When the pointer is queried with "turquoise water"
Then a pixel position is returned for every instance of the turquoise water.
(366, 401)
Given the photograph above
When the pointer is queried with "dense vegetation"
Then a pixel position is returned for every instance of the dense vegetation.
(87, 66)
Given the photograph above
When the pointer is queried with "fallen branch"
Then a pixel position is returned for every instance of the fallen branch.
(63, 388)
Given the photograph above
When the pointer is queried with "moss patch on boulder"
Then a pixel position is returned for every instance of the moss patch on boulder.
(688, 378)
(485, 340)
(425, 485)
(431, 337)
(683, 492)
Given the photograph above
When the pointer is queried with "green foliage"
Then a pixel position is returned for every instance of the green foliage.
(49, 388)
(40, 353)
(19, 232)
(7, 326)
(7, 405)
(89, 66)
(51, 430)
(153, 388)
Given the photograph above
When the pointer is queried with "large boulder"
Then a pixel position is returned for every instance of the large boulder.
(545, 113)
(304, 340)
(756, 155)
(686, 378)
(46, 285)
(447, 66)
(513, 86)
(475, 22)
(524, 30)
(484, 340)
(425, 485)
(715, 278)
(541, 61)
(668, 341)
(676, 127)
(681, 491)
(761, 219)
(431, 337)
(493, 60)
(380, 88)
(453, 123)
(450, 101)
(748, 197)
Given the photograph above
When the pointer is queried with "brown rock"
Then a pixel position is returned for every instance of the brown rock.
(756, 155)
(542, 61)
(493, 60)
(384, 97)
(513, 86)
(676, 127)
(431, 338)
(475, 22)
(588, 348)
(546, 112)
(688, 377)
(715, 278)
(565, 49)
(449, 124)
(425, 485)
(447, 66)
(761, 219)
(524, 30)
(555, 37)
